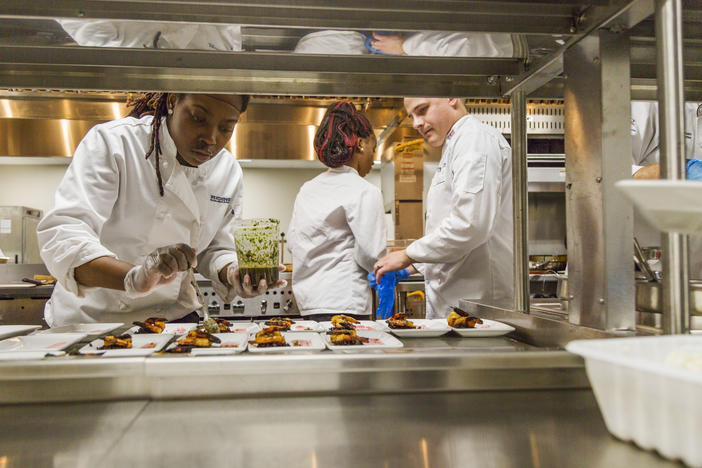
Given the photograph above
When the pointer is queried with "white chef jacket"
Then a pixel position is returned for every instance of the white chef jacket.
(645, 132)
(332, 42)
(463, 44)
(152, 35)
(108, 204)
(336, 234)
(467, 247)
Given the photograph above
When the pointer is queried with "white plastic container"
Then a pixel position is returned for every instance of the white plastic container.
(645, 399)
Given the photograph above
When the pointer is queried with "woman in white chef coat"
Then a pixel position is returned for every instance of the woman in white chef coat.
(146, 198)
(337, 229)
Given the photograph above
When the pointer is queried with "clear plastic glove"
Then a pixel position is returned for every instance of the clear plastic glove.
(694, 169)
(386, 291)
(246, 289)
(160, 267)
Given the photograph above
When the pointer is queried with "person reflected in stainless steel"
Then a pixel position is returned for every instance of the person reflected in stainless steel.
(443, 44)
(426, 43)
(466, 250)
(153, 35)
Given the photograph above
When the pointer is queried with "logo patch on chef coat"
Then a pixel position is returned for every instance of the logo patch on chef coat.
(217, 199)
(451, 134)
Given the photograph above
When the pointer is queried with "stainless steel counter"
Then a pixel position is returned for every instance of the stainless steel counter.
(483, 429)
(448, 363)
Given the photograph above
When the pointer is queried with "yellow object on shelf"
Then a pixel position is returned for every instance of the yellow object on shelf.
(417, 293)
(46, 279)
(409, 146)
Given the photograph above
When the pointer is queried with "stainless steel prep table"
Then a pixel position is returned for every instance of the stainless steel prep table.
(553, 428)
(448, 363)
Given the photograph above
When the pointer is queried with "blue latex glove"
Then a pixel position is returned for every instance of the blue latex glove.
(694, 169)
(369, 37)
(386, 291)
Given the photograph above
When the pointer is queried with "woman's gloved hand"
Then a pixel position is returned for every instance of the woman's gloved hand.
(246, 289)
(159, 267)
(386, 290)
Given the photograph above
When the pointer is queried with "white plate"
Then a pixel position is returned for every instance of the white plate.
(298, 341)
(484, 330)
(6, 331)
(669, 205)
(362, 325)
(243, 327)
(379, 340)
(87, 328)
(170, 329)
(51, 342)
(303, 326)
(426, 328)
(231, 343)
(23, 355)
(142, 345)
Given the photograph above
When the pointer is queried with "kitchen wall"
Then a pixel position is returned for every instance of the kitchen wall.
(268, 192)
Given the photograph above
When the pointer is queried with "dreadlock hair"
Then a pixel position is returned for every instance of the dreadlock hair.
(151, 104)
(337, 137)
(155, 104)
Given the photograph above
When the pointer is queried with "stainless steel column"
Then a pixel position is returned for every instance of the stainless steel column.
(669, 60)
(519, 201)
(598, 154)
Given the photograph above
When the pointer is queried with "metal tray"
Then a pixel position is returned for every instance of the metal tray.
(649, 297)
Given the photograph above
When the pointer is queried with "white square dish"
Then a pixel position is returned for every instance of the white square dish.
(40, 342)
(170, 329)
(297, 341)
(87, 328)
(360, 326)
(425, 328)
(377, 340)
(7, 331)
(142, 345)
(243, 327)
(230, 343)
(486, 329)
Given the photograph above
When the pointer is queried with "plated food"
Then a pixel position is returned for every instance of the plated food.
(354, 341)
(126, 345)
(151, 325)
(345, 337)
(279, 323)
(268, 338)
(344, 321)
(197, 338)
(462, 319)
(117, 342)
(399, 320)
(293, 342)
(216, 325)
(420, 328)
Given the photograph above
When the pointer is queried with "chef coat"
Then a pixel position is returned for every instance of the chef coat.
(152, 35)
(108, 204)
(467, 246)
(463, 44)
(336, 234)
(645, 132)
(332, 42)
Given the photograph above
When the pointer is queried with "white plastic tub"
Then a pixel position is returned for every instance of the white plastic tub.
(645, 399)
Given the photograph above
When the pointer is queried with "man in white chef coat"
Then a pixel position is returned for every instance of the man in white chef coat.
(466, 251)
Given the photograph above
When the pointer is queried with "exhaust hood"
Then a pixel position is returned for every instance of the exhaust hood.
(51, 124)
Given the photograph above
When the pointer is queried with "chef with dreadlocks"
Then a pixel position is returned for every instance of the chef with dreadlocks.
(146, 198)
(337, 229)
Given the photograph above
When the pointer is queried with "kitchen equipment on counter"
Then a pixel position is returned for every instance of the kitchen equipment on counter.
(649, 297)
(275, 302)
(18, 234)
(642, 263)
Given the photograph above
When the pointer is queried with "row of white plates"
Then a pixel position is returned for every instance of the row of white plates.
(304, 335)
